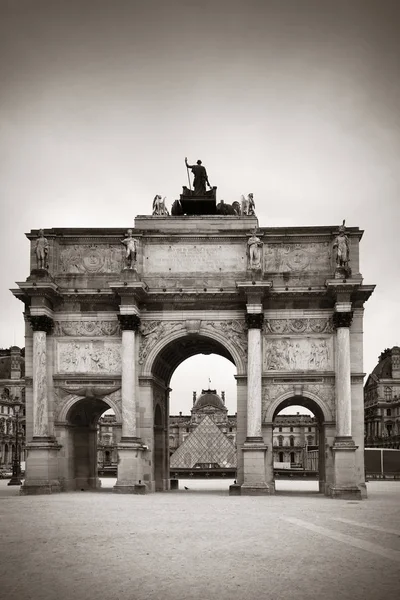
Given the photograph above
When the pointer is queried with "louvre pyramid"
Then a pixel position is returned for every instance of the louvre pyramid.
(206, 444)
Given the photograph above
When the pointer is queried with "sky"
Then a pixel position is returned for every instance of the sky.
(296, 101)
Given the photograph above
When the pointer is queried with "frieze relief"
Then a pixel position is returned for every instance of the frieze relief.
(86, 328)
(315, 256)
(300, 325)
(91, 258)
(287, 354)
(89, 357)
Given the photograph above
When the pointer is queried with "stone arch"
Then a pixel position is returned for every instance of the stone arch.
(225, 346)
(71, 400)
(324, 410)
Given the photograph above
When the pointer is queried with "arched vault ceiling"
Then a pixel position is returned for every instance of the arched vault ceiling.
(179, 350)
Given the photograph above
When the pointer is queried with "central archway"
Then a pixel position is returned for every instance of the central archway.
(324, 434)
(162, 362)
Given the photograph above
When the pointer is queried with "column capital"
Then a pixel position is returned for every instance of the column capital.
(41, 323)
(129, 322)
(254, 320)
(342, 319)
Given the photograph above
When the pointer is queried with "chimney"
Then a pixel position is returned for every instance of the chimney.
(180, 413)
(223, 397)
(194, 398)
(15, 362)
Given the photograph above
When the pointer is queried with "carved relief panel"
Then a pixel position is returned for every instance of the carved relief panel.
(89, 357)
(91, 258)
(314, 256)
(298, 354)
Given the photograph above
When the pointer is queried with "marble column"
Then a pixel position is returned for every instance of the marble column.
(41, 326)
(344, 448)
(254, 449)
(342, 322)
(129, 325)
(130, 448)
(254, 374)
(42, 476)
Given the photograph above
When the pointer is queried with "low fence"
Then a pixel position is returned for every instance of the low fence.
(382, 463)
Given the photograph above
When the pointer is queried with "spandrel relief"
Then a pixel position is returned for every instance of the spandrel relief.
(287, 354)
(86, 328)
(152, 332)
(89, 357)
(93, 258)
(279, 258)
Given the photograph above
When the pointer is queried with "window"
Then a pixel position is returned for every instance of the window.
(292, 441)
(292, 457)
(281, 457)
(280, 428)
(388, 412)
(291, 429)
(280, 440)
(388, 393)
(310, 429)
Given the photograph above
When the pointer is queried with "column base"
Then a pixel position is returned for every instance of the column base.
(41, 467)
(15, 481)
(344, 470)
(254, 484)
(34, 488)
(345, 493)
(234, 489)
(130, 468)
(256, 489)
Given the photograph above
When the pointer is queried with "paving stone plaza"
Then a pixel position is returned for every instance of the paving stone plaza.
(198, 544)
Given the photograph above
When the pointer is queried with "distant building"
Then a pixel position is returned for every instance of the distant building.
(108, 437)
(293, 437)
(12, 390)
(382, 402)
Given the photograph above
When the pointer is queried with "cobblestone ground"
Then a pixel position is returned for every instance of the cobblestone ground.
(198, 544)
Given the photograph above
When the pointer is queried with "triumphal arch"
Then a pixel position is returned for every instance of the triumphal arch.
(110, 314)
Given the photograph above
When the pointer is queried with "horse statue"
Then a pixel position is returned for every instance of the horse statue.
(228, 209)
(159, 207)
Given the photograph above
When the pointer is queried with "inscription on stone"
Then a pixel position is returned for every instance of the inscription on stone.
(200, 258)
(89, 357)
(286, 354)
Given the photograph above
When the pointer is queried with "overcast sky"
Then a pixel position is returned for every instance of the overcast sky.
(296, 101)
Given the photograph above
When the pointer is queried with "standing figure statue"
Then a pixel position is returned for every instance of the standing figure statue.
(254, 245)
(42, 251)
(248, 205)
(130, 244)
(341, 245)
(200, 178)
(159, 207)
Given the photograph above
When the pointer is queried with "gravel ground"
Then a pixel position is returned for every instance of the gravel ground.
(200, 543)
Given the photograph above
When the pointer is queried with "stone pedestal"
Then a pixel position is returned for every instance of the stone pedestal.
(254, 484)
(130, 471)
(41, 467)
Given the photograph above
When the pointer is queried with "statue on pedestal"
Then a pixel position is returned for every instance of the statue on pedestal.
(254, 245)
(341, 245)
(42, 251)
(200, 178)
(130, 244)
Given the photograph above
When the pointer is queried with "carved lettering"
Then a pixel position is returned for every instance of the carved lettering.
(200, 258)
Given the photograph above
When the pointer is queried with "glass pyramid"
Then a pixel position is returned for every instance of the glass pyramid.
(205, 446)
